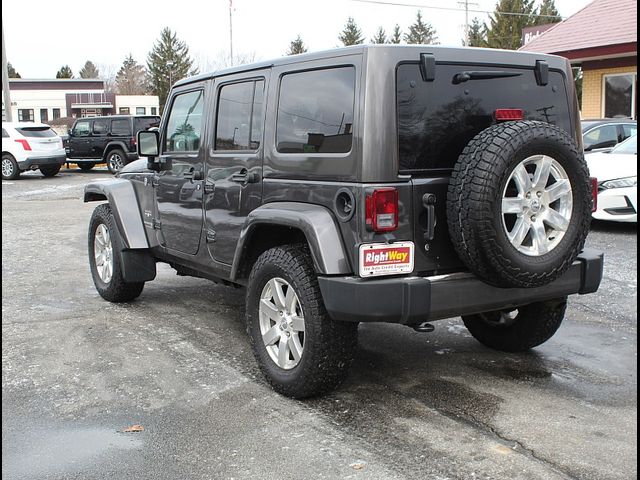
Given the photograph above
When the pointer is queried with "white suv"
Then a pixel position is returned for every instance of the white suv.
(30, 146)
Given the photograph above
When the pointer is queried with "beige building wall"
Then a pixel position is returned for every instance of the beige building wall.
(592, 85)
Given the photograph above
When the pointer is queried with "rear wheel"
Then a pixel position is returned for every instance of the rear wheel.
(50, 170)
(300, 350)
(115, 160)
(10, 169)
(105, 258)
(85, 167)
(519, 329)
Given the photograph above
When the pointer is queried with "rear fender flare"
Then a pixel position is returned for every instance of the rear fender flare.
(318, 225)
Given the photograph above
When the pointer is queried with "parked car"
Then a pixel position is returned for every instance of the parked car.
(604, 134)
(109, 139)
(30, 146)
(617, 174)
(468, 197)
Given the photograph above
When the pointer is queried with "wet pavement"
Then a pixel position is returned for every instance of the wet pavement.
(77, 370)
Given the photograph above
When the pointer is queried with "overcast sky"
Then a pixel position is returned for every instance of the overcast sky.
(41, 36)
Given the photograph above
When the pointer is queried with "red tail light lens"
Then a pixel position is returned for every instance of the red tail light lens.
(132, 142)
(24, 144)
(382, 210)
(594, 193)
(504, 114)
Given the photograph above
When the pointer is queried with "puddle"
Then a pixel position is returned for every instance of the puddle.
(57, 451)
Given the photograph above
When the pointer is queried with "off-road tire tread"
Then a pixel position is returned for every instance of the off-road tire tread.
(535, 324)
(117, 291)
(472, 199)
(326, 360)
(50, 171)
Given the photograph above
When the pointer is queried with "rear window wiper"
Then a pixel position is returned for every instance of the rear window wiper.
(482, 75)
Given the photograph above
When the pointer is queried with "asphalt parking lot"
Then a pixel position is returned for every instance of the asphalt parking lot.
(76, 371)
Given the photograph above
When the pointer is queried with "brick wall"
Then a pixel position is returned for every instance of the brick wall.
(592, 89)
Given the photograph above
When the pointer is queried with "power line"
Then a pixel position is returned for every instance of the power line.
(415, 5)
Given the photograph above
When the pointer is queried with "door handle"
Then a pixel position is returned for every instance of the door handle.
(194, 175)
(244, 177)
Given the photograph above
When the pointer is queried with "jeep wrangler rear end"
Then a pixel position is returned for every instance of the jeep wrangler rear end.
(367, 184)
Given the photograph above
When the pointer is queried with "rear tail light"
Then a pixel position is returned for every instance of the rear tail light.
(505, 114)
(24, 144)
(594, 193)
(132, 142)
(382, 210)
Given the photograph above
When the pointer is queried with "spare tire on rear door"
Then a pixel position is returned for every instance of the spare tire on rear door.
(519, 204)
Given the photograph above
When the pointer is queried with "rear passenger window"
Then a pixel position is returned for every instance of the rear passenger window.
(629, 130)
(315, 111)
(239, 123)
(100, 127)
(120, 127)
(184, 127)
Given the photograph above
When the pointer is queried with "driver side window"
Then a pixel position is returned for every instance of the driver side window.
(184, 127)
(82, 129)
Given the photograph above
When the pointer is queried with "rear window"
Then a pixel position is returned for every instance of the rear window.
(437, 119)
(140, 124)
(38, 132)
(121, 127)
(315, 111)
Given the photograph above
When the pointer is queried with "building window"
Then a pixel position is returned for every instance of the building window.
(25, 115)
(154, 111)
(141, 111)
(123, 110)
(620, 95)
(56, 113)
(44, 115)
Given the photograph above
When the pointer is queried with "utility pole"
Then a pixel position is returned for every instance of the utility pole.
(466, 5)
(5, 83)
(231, 29)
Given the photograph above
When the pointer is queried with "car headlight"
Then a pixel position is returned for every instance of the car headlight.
(619, 183)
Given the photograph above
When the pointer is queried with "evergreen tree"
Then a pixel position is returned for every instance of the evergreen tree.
(167, 62)
(89, 70)
(12, 71)
(132, 78)
(548, 13)
(421, 33)
(396, 37)
(296, 46)
(351, 34)
(380, 36)
(65, 72)
(477, 34)
(505, 31)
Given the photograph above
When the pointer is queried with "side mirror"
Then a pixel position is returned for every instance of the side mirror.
(148, 145)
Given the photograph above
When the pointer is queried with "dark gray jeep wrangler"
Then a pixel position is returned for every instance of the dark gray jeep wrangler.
(399, 184)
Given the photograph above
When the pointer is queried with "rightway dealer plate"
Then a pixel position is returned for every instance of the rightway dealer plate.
(386, 259)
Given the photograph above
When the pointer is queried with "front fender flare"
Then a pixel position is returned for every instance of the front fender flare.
(318, 225)
(124, 205)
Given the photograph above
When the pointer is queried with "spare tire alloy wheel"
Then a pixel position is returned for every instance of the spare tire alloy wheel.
(282, 323)
(537, 206)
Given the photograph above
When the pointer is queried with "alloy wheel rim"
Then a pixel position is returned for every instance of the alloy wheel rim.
(537, 203)
(282, 323)
(115, 161)
(7, 167)
(103, 253)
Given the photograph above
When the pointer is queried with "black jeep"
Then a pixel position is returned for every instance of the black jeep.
(366, 184)
(109, 139)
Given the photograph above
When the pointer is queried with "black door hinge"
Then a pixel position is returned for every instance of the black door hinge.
(211, 236)
(209, 188)
(155, 182)
(157, 224)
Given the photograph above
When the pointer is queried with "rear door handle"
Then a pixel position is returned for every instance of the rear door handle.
(244, 177)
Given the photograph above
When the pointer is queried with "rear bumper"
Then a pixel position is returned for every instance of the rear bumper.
(35, 162)
(413, 300)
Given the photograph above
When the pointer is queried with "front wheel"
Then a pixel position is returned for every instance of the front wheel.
(115, 161)
(50, 170)
(520, 329)
(300, 350)
(105, 258)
